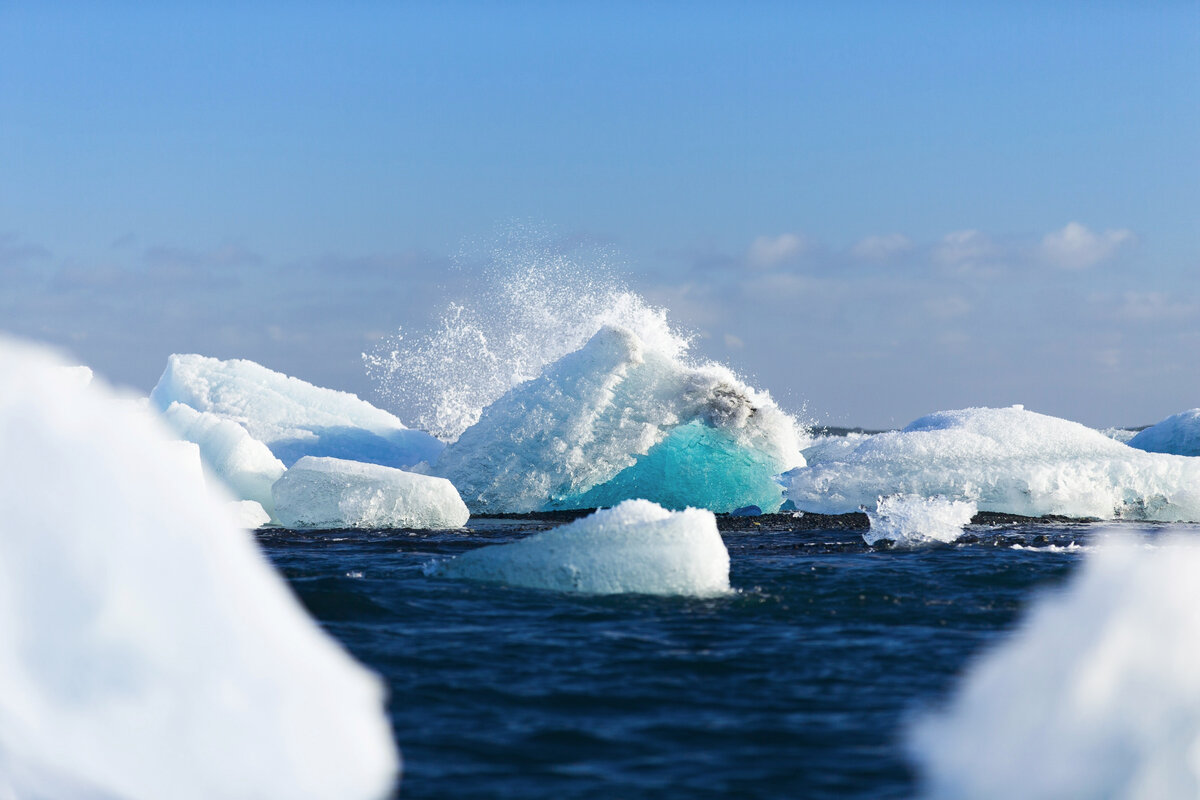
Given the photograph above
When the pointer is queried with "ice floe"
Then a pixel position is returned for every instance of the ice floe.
(635, 547)
(292, 417)
(1006, 460)
(914, 520)
(147, 649)
(1097, 694)
(1178, 434)
(620, 419)
(334, 493)
(244, 464)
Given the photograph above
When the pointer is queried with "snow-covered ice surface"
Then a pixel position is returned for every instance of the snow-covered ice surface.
(147, 650)
(1005, 460)
(333, 493)
(1178, 434)
(1122, 435)
(1097, 695)
(244, 464)
(913, 520)
(619, 419)
(635, 547)
(292, 417)
(832, 448)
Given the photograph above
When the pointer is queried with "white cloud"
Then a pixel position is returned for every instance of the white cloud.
(1150, 306)
(734, 342)
(879, 248)
(965, 248)
(1077, 247)
(768, 251)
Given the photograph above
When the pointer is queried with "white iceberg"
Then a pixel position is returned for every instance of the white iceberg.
(1005, 460)
(244, 464)
(147, 649)
(1097, 695)
(293, 418)
(333, 493)
(913, 520)
(636, 547)
(619, 419)
(1178, 434)
(248, 514)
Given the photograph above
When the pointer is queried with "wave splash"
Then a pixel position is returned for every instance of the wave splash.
(536, 304)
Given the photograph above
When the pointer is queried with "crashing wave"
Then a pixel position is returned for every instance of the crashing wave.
(910, 520)
(1006, 460)
(620, 419)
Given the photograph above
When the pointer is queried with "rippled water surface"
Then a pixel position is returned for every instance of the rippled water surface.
(797, 685)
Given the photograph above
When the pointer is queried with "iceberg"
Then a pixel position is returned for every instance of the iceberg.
(635, 547)
(1096, 695)
(620, 419)
(249, 514)
(147, 649)
(333, 493)
(245, 465)
(293, 418)
(1178, 434)
(1005, 460)
(912, 520)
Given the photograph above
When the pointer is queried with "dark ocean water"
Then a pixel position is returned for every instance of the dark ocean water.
(798, 685)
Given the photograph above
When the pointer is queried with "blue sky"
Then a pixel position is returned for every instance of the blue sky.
(875, 210)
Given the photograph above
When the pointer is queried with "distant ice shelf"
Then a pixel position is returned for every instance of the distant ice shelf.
(635, 547)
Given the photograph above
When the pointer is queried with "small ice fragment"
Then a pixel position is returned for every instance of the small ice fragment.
(334, 493)
(914, 520)
(637, 547)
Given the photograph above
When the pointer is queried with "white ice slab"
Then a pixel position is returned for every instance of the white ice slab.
(290, 416)
(334, 493)
(636, 547)
(1006, 460)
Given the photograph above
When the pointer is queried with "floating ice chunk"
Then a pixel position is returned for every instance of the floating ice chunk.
(636, 547)
(1007, 460)
(242, 463)
(333, 493)
(291, 417)
(1178, 434)
(147, 649)
(914, 520)
(248, 514)
(616, 420)
(1097, 695)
